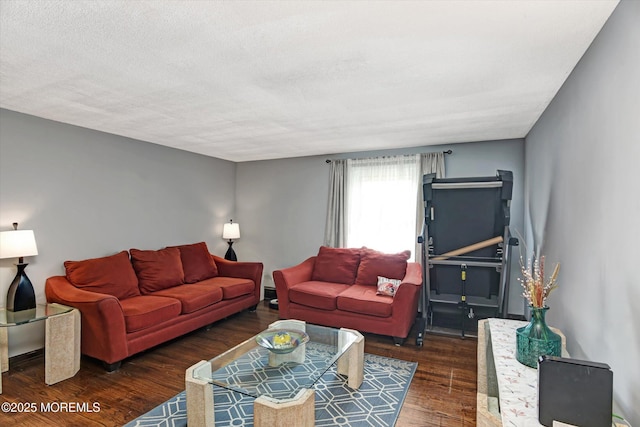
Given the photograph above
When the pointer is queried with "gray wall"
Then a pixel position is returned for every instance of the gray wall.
(88, 194)
(281, 204)
(281, 207)
(583, 203)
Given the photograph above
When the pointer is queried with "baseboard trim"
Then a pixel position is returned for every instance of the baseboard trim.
(26, 357)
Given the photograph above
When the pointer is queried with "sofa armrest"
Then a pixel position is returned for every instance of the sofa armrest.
(414, 274)
(407, 297)
(286, 278)
(244, 270)
(103, 327)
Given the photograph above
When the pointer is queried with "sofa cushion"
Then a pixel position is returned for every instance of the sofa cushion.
(197, 262)
(112, 275)
(364, 300)
(157, 270)
(232, 287)
(374, 264)
(387, 286)
(336, 265)
(315, 294)
(193, 296)
(144, 311)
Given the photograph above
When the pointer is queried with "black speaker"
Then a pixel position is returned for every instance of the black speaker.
(575, 392)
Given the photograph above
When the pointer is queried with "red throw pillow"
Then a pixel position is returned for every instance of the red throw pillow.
(157, 270)
(197, 262)
(111, 275)
(374, 264)
(336, 265)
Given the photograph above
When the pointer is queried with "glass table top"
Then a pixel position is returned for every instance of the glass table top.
(41, 312)
(253, 370)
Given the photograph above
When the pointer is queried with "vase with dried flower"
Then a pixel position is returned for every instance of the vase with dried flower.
(537, 339)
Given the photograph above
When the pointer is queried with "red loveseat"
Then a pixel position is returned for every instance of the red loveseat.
(339, 288)
(130, 302)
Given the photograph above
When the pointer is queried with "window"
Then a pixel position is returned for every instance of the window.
(381, 203)
(377, 202)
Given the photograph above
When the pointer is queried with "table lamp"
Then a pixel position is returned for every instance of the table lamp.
(231, 231)
(19, 244)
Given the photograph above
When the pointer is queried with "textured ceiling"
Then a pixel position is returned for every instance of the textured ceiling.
(251, 80)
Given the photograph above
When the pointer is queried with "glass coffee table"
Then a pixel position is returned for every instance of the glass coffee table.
(282, 384)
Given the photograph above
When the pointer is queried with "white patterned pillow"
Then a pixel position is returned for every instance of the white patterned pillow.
(387, 286)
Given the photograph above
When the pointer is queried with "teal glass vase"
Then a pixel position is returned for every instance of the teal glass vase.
(536, 339)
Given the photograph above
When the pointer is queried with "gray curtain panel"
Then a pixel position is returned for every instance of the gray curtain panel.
(335, 231)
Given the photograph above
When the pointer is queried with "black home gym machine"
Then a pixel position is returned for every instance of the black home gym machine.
(465, 252)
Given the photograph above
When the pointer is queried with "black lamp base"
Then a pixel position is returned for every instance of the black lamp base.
(231, 254)
(21, 295)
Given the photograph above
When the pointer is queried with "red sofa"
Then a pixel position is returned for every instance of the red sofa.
(339, 288)
(135, 300)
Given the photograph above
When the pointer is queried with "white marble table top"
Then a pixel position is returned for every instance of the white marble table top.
(517, 383)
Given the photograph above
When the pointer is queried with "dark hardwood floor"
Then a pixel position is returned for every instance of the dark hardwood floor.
(442, 393)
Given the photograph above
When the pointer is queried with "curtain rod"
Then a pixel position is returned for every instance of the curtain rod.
(444, 152)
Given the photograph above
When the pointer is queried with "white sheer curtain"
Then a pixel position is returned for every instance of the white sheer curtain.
(381, 203)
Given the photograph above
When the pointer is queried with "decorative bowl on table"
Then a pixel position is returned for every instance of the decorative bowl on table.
(281, 341)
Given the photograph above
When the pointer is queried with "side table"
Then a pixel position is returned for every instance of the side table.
(62, 339)
(507, 389)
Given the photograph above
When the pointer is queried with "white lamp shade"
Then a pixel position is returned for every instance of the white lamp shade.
(17, 243)
(231, 230)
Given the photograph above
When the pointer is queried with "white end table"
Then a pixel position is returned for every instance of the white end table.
(62, 339)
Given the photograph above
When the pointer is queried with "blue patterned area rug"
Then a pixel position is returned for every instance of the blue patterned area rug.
(376, 403)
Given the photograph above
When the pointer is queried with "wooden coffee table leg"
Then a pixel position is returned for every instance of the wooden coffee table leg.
(199, 398)
(299, 412)
(351, 363)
